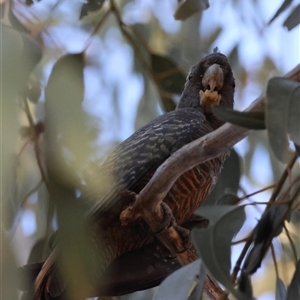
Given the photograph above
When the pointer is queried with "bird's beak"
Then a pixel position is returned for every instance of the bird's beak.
(212, 82)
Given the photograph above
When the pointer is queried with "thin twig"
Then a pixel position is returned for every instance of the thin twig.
(291, 243)
(283, 177)
(97, 28)
(287, 192)
(31, 192)
(23, 147)
(257, 192)
(122, 27)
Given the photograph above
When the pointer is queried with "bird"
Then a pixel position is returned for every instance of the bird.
(130, 250)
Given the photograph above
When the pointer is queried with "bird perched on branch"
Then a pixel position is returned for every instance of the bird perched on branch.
(131, 250)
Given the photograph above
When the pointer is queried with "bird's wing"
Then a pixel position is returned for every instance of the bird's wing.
(131, 165)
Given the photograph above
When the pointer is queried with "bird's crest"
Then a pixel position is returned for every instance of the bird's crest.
(216, 50)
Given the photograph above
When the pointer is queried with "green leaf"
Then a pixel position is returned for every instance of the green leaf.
(170, 79)
(295, 217)
(245, 285)
(11, 62)
(293, 291)
(279, 93)
(167, 102)
(73, 237)
(37, 251)
(8, 269)
(190, 7)
(89, 6)
(15, 22)
(280, 290)
(250, 120)
(197, 292)
(178, 285)
(268, 227)
(293, 126)
(228, 199)
(285, 4)
(174, 79)
(214, 243)
(293, 19)
(68, 142)
(147, 109)
(239, 69)
(31, 55)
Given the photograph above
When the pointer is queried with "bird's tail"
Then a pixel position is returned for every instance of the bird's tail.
(48, 284)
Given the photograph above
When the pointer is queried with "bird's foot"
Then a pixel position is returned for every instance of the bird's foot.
(168, 219)
(185, 236)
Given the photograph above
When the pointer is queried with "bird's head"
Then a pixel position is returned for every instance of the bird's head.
(210, 82)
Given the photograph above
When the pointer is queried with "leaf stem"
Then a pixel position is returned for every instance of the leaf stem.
(97, 27)
(291, 243)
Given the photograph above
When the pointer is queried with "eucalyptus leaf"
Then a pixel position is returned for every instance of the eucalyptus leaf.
(250, 120)
(147, 108)
(198, 289)
(91, 6)
(11, 62)
(293, 19)
(280, 293)
(268, 227)
(8, 268)
(245, 285)
(190, 7)
(293, 291)
(37, 251)
(279, 92)
(239, 69)
(178, 285)
(285, 4)
(214, 243)
(293, 126)
(174, 79)
(170, 79)
(228, 199)
(68, 144)
(73, 238)
(15, 23)
(31, 55)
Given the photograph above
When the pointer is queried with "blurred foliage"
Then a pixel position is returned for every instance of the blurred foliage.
(59, 160)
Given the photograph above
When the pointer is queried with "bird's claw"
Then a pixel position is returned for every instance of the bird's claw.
(185, 236)
(168, 219)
